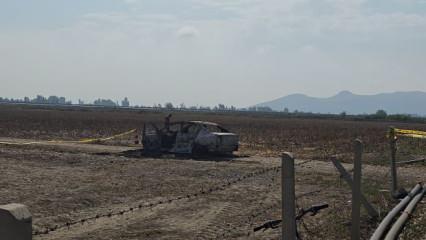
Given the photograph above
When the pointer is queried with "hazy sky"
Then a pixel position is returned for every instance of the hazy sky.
(205, 52)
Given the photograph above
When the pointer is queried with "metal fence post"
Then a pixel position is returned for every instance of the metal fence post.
(392, 143)
(356, 191)
(288, 197)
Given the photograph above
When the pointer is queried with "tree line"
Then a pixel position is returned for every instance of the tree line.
(39, 99)
(56, 100)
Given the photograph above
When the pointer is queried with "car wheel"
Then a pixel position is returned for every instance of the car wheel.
(199, 149)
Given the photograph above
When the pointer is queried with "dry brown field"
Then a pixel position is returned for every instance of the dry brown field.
(108, 191)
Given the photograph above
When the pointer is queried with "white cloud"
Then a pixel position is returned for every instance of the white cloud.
(131, 1)
(187, 32)
(308, 49)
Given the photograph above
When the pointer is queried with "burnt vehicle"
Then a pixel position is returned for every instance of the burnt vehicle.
(189, 137)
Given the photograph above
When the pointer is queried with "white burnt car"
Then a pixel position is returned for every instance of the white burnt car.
(191, 137)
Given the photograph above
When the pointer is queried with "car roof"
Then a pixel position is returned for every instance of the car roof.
(204, 123)
(195, 123)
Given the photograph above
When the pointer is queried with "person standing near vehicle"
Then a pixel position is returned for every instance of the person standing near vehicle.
(167, 122)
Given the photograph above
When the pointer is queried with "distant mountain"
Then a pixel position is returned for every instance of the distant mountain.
(393, 103)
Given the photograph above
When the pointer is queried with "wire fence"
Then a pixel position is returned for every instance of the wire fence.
(250, 220)
(134, 207)
(265, 209)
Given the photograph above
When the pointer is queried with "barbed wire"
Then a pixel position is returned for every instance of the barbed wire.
(265, 210)
(228, 183)
(203, 191)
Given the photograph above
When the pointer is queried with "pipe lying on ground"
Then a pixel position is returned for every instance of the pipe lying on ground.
(397, 226)
(412, 161)
(388, 219)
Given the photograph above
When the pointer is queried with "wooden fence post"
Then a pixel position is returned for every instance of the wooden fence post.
(288, 197)
(356, 191)
(348, 178)
(392, 143)
(15, 222)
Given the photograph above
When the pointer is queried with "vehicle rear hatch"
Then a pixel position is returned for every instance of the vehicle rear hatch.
(227, 140)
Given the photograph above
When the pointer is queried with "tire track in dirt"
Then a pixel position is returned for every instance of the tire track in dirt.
(235, 219)
(213, 229)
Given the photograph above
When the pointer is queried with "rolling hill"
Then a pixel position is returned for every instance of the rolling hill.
(394, 103)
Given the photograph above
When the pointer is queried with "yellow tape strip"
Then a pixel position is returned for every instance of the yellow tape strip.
(87, 140)
(413, 136)
(90, 140)
(410, 133)
(15, 143)
(405, 131)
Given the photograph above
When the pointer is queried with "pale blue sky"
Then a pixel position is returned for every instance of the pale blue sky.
(205, 52)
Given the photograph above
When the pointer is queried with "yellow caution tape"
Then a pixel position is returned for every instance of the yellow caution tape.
(413, 136)
(86, 140)
(90, 140)
(405, 131)
(16, 143)
(410, 133)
